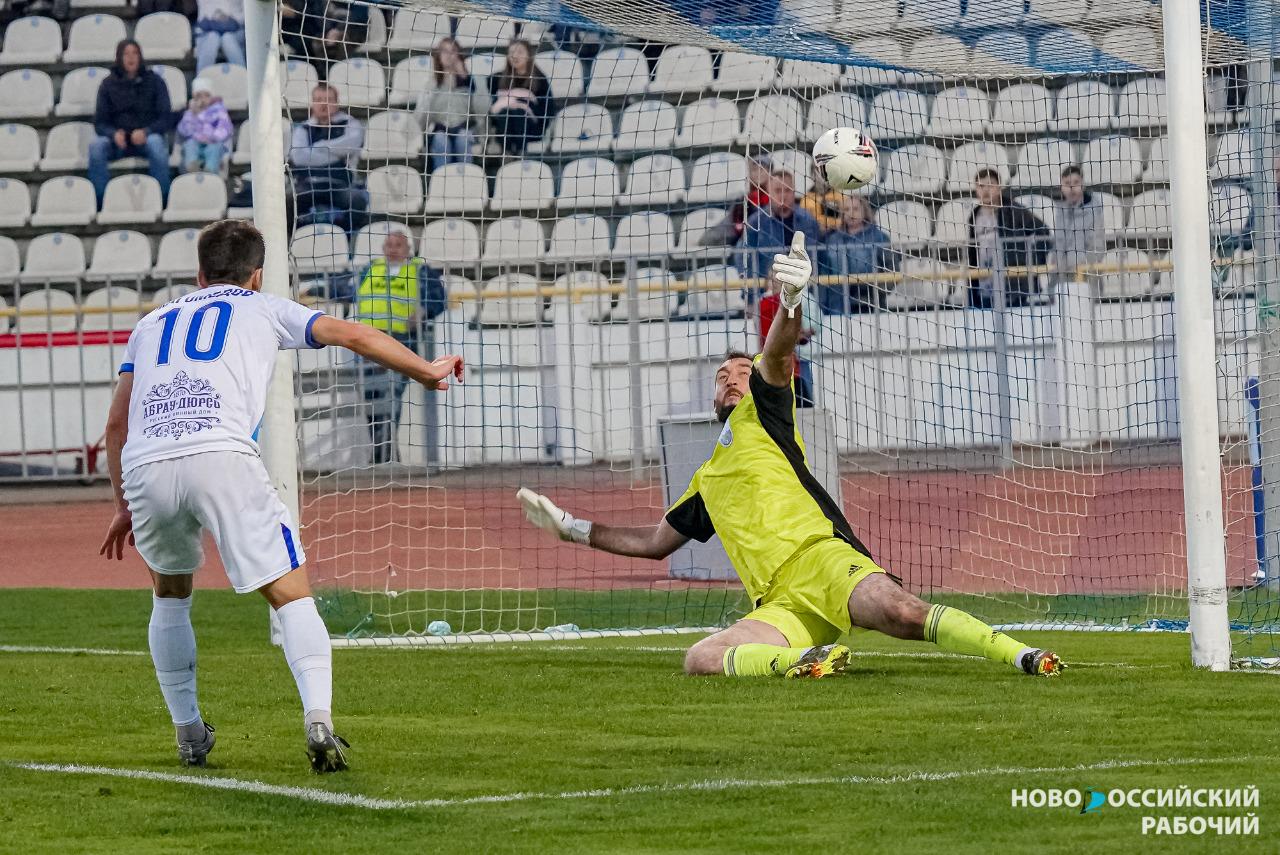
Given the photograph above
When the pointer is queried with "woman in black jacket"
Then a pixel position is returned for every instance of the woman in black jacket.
(519, 109)
(131, 119)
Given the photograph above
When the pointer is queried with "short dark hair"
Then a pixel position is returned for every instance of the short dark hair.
(986, 173)
(734, 353)
(229, 251)
(1072, 170)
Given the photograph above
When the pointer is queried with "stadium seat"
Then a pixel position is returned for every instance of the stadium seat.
(804, 74)
(482, 66)
(410, 77)
(1060, 12)
(906, 223)
(563, 72)
(1123, 283)
(367, 244)
(1234, 158)
(618, 72)
(798, 163)
(646, 126)
(360, 82)
(1040, 205)
(168, 293)
(67, 201)
(967, 159)
(1218, 101)
(176, 255)
(457, 188)
(680, 69)
(79, 92)
(93, 38)
(300, 78)
(590, 182)
(19, 148)
(67, 147)
(931, 14)
(744, 72)
(1149, 214)
(1228, 209)
(114, 307)
(513, 240)
(597, 301)
(54, 257)
(710, 121)
(176, 82)
(772, 120)
(961, 111)
(1157, 169)
(1130, 47)
(1086, 105)
(1065, 50)
(393, 135)
(1141, 104)
(319, 248)
(715, 292)
(510, 300)
(834, 110)
(15, 203)
(656, 181)
(418, 31)
(887, 56)
(1113, 213)
(10, 259)
(944, 54)
(33, 40)
(657, 296)
(922, 286)
(243, 154)
(717, 177)
(46, 310)
(696, 224)
(1112, 160)
(163, 35)
(450, 242)
(397, 189)
(199, 196)
(951, 223)
(131, 199)
(231, 84)
(1024, 108)
(477, 32)
(523, 185)
(1004, 48)
(992, 13)
(646, 235)
(375, 39)
(25, 93)
(579, 236)
(1040, 163)
(898, 114)
(919, 169)
(581, 128)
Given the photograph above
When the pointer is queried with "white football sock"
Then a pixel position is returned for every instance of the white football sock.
(173, 650)
(310, 658)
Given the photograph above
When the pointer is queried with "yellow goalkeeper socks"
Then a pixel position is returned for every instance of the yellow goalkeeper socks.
(961, 632)
(760, 660)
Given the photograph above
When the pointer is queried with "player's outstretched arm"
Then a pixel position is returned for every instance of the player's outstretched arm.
(656, 541)
(386, 351)
(790, 276)
(121, 527)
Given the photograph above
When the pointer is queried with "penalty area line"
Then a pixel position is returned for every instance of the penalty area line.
(339, 799)
(83, 651)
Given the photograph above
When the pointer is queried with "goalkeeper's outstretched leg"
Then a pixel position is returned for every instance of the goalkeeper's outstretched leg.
(753, 648)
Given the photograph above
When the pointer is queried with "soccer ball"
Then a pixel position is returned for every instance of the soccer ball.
(846, 157)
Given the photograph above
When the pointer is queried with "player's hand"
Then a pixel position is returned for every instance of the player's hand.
(543, 513)
(442, 368)
(120, 530)
(791, 272)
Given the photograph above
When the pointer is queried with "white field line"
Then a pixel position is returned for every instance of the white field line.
(339, 799)
(90, 651)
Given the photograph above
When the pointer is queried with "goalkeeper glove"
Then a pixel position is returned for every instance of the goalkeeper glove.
(792, 272)
(543, 513)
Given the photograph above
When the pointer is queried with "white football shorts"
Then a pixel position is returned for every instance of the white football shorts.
(229, 494)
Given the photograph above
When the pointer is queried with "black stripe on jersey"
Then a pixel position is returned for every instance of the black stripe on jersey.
(775, 404)
(691, 519)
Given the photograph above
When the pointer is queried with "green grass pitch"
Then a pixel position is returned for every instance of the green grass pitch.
(604, 746)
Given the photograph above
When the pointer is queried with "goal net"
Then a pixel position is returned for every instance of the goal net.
(589, 196)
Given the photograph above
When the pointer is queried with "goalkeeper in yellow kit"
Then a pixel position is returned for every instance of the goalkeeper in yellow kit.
(809, 578)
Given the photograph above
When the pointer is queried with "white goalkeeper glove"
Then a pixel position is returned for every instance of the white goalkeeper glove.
(791, 272)
(543, 513)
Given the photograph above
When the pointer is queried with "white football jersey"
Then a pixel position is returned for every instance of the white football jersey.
(201, 366)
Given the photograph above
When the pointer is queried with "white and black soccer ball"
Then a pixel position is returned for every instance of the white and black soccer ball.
(846, 157)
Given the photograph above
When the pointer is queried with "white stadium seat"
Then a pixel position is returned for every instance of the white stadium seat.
(410, 77)
(66, 147)
(200, 196)
(1234, 158)
(243, 154)
(951, 222)
(1086, 105)
(1040, 163)
(1062, 12)
(919, 169)
(646, 235)
(710, 121)
(682, 68)
(945, 54)
(513, 240)
(772, 120)
(67, 201)
(457, 188)
(509, 300)
(33, 40)
(961, 111)
(417, 30)
(967, 159)
(717, 177)
(834, 110)
(25, 93)
(805, 74)
(563, 72)
(481, 32)
(1149, 214)
(992, 13)
(579, 236)
(1040, 205)
(1123, 283)
(1228, 209)
(1112, 160)
(696, 225)
(922, 285)
(869, 16)
(798, 163)
(393, 135)
(300, 78)
(46, 310)
(15, 203)
(657, 296)
(744, 72)
(1157, 169)
(19, 148)
(1132, 46)
(715, 292)
(131, 199)
(360, 82)
(395, 189)
(937, 15)
(1024, 108)
(368, 241)
(1113, 213)
(176, 256)
(906, 223)
(589, 182)
(93, 38)
(163, 35)
(597, 303)
(646, 126)
(582, 128)
(10, 259)
(656, 181)
(898, 114)
(1141, 104)
(617, 72)
(176, 82)
(523, 185)
(483, 66)
(229, 82)
(450, 242)
(114, 307)
(887, 55)
(79, 92)
(319, 248)
(169, 293)
(55, 257)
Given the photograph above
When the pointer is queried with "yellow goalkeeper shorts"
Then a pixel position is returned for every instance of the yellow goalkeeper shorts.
(808, 601)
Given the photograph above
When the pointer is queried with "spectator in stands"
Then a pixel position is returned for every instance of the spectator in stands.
(520, 94)
(729, 232)
(131, 119)
(204, 130)
(1002, 235)
(448, 108)
(219, 27)
(323, 151)
(823, 202)
(396, 294)
(1078, 230)
(806, 343)
(769, 230)
(858, 246)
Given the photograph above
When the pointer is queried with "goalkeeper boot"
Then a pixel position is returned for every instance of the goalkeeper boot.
(1042, 663)
(325, 749)
(820, 662)
(192, 752)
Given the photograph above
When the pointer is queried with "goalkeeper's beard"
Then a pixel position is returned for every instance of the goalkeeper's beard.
(724, 411)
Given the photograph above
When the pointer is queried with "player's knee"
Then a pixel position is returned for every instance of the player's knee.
(907, 615)
(703, 659)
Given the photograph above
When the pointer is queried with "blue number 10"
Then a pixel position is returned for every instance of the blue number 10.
(192, 348)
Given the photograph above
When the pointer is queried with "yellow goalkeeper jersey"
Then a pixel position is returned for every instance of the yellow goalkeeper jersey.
(757, 492)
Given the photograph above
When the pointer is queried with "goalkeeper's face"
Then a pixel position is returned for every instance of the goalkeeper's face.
(733, 381)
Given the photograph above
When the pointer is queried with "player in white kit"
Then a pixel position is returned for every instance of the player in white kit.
(183, 455)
